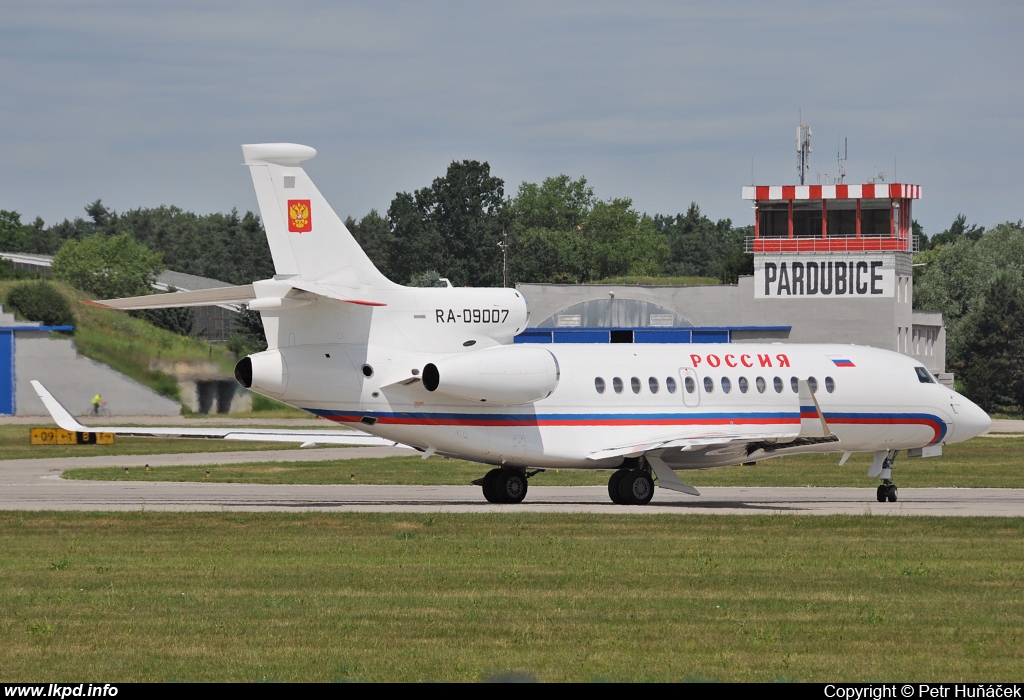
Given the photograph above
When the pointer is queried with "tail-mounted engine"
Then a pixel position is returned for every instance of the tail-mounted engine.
(506, 375)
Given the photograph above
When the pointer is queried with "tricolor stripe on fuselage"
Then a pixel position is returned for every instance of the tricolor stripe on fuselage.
(636, 419)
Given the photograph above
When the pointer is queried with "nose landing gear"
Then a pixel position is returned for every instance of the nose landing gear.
(887, 490)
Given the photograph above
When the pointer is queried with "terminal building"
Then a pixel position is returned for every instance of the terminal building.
(832, 264)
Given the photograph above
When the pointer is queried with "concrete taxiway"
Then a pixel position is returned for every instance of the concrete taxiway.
(36, 484)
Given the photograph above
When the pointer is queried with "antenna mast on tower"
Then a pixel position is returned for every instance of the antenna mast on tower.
(803, 150)
(842, 162)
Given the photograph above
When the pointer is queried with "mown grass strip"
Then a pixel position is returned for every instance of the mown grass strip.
(979, 463)
(324, 597)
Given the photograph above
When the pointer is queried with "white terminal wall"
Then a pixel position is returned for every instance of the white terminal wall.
(887, 322)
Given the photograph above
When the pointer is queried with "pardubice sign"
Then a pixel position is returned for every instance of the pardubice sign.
(825, 275)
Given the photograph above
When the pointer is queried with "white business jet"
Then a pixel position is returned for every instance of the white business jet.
(436, 369)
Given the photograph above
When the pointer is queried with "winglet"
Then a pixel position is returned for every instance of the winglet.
(60, 415)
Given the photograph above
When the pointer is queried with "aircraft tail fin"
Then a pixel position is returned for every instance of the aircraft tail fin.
(307, 238)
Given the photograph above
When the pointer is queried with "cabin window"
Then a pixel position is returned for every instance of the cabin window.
(653, 383)
(743, 384)
(726, 385)
(599, 385)
(813, 383)
(830, 384)
(617, 384)
(761, 385)
(691, 386)
(670, 384)
(709, 385)
(634, 383)
(924, 376)
(795, 384)
(778, 385)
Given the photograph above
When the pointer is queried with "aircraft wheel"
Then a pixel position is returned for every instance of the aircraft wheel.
(510, 486)
(613, 487)
(488, 486)
(892, 493)
(637, 488)
(882, 493)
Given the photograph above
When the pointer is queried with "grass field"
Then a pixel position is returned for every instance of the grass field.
(982, 462)
(253, 597)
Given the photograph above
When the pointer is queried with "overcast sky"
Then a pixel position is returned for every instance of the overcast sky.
(146, 103)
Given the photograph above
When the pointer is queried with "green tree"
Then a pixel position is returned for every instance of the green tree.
(951, 280)
(373, 233)
(701, 247)
(547, 230)
(108, 266)
(991, 365)
(958, 231)
(561, 233)
(620, 241)
(453, 226)
(557, 204)
(15, 237)
(954, 277)
(418, 246)
(227, 247)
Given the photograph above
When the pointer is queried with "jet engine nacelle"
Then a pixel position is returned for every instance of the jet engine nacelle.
(311, 374)
(507, 375)
(265, 372)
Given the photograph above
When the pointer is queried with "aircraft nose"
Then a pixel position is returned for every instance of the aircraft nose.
(968, 419)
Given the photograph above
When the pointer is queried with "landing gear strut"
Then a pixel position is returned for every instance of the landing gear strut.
(506, 485)
(887, 490)
(632, 485)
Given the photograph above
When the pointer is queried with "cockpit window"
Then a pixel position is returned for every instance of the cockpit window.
(924, 376)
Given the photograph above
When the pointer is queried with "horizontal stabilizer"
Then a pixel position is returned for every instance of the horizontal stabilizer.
(305, 438)
(199, 297)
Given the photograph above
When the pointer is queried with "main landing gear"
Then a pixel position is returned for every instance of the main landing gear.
(507, 485)
(632, 485)
(887, 490)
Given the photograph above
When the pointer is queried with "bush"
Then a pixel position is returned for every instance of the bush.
(40, 301)
(107, 267)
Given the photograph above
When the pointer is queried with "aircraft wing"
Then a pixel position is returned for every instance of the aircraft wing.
(306, 438)
(813, 430)
(692, 441)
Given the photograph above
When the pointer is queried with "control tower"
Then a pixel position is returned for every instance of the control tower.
(838, 247)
